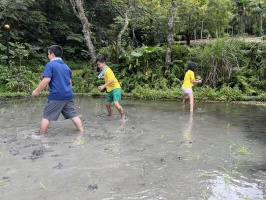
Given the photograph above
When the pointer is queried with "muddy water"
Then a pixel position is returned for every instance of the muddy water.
(160, 152)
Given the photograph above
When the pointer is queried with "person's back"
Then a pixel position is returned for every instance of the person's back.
(189, 81)
(60, 85)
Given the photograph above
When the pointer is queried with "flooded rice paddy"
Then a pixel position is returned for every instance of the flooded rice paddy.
(159, 152)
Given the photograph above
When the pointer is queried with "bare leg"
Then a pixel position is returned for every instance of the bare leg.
(77, 122)
(109, 109)
(44, 125)
(184, 100)
(191, 101)
(120, 109)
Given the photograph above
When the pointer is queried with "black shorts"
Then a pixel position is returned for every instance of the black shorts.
(54, 108)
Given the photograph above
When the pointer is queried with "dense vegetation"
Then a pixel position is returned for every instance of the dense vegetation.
(231, 67)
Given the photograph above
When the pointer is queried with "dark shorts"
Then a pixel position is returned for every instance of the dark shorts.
(54, 108)
(114, 95)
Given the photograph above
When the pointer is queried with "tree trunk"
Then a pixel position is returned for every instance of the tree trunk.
(201, 30)
(80, 13)
(188, 37)
(121, 33)
(170, 36)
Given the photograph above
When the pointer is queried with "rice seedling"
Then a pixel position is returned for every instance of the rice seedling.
(231, 144)
(238, 150)
(3, 155)
(228, 173)
(237, 164)
(227, 179)
(204, 175)
(42, 186)
(171, 141)
(162, 137)
(4, 182)
(194, 155)
(206, 195)
(243, 150)
(80, 141)
(89, 175)
(204, 118)
(97, 108)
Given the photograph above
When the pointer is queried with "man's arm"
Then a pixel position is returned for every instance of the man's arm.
(45, 81)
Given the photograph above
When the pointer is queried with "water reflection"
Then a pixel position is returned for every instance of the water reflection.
(187, 137)
(226, 187)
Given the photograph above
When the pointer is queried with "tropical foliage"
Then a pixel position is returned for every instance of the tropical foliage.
(133, 35)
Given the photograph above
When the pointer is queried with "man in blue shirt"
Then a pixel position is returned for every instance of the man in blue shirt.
(60, 100)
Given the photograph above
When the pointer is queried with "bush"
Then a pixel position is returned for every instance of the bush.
(230, 94)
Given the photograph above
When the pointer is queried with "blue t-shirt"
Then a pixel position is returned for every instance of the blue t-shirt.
(60, 74)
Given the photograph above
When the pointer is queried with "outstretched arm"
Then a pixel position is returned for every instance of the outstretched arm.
(45, 81)
(196, 81)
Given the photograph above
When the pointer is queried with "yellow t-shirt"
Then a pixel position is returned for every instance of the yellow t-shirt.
(187, 80)
(109, 75)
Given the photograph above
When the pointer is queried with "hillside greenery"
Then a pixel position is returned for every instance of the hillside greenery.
(231, 67)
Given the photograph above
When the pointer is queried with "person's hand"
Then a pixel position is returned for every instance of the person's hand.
(101, 87)
(35, 93)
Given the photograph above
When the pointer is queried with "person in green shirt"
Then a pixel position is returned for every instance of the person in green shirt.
(188, 83)
(113, 88)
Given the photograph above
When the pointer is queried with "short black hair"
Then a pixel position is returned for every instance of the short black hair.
(56, 49)
(101, 59)
(192, 66)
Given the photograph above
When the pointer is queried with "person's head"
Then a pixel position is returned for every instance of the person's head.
(192, 66)
(101, 61)
(55, 51)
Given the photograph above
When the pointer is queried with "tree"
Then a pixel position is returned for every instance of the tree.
(123, 11)
(170, 35)
(86, 27)
(241, 6)
(218, 17)
(258, 9)
(215, 14)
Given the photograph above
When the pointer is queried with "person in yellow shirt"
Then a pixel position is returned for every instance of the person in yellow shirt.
(113, 88)
(188, 83)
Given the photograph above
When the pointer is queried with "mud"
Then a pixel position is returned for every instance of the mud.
(159, 152)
